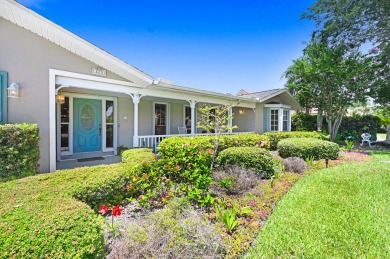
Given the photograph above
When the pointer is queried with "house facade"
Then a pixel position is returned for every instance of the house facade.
(87, 101)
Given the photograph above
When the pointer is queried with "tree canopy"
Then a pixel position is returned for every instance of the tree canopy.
(355, 23)
(331, 79)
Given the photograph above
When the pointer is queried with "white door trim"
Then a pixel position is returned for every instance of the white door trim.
(167, 119)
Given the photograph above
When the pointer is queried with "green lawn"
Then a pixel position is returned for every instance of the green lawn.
(341, 212)
(381, 135)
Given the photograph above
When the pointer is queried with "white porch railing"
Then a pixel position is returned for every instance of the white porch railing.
(154, 140)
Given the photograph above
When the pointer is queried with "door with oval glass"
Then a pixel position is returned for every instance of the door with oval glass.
(87, 125)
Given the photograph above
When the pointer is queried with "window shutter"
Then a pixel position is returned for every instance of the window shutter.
(265, 119)
(3, 96)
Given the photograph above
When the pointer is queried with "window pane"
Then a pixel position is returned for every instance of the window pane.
(64, 137)
(109, 111)
(274, 120)
(285, 120)
(188, 119)
(109, 136)
(65, 110)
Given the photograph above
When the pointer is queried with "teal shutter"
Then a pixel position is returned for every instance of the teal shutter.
(3, 96)
(265, 119)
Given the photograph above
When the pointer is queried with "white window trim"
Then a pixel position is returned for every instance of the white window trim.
(103, 136)
(280, 108)
(168, 118)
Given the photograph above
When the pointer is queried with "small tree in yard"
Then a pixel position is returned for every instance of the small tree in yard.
(332, 78)
(215, 120)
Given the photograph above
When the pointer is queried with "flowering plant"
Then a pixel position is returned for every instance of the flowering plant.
(115, 211)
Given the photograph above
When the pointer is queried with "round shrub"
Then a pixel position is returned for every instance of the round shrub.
(256, 159)
(308, 147)
(137, 155)
(294, 165)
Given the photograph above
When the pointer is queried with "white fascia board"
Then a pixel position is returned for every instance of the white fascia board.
(277, 105)
(31, 21)
(232, 99)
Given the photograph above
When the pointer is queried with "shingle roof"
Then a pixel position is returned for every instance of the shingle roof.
(262, 94)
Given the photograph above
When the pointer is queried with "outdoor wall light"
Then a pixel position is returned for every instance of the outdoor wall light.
(13, 90)
(241, 111)
(60, 98)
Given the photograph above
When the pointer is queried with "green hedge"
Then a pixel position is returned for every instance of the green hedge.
(308, 147)
(129, 154)
(275, 137)
(351, 126)
(168, 146)
(256, 159)
(50, 215)
(356, 125)
(19, 150)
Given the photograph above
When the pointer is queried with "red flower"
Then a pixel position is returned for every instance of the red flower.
(211, 152)
(128, 187)
(103, 209)
(263, 143)
(116, 211)
(177, 168)
(166, 166)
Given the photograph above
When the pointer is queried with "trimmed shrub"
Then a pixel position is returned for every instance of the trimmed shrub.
(235, 179)
(129, 155)
(275, 137)
(49, 215)
(169, 146)
(19, 150)
(304, 122)
(177, 231)
(308, 147)
(294, 165)
(257, 159)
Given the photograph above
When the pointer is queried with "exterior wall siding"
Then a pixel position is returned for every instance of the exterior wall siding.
(27, 58)
(244, 121)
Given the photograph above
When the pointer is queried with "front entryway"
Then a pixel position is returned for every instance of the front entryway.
(87, 125)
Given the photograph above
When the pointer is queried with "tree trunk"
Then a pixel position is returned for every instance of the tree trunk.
(333, 126)
(387, 141)
(307, 110)
(319, 120)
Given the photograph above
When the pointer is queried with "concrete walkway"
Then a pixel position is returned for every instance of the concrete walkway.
(74, 163)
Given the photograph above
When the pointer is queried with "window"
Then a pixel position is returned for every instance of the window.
(277, 117)
(109, 112)
(65, 125)
(160, 119)
(187, 118)
(274, 120)
(285, 120)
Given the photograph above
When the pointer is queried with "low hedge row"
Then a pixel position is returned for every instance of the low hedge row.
(256, 159)
(169, 146)
(19, 150)
(275, 137)
(308, 147)
(138, 153)
(50, 215)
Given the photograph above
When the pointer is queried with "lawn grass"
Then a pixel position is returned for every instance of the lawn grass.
(340, 212)
(381, 135)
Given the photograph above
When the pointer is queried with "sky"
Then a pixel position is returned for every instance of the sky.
(221, 46)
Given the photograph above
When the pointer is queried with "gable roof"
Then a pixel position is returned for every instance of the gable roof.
(262, 95)
(268, 94)
(31, 21)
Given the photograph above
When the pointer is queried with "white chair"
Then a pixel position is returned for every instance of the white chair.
(182, 130)
(366, 138)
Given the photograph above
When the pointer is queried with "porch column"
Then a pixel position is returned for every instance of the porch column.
(230, 113)
(192, 105)
(136, 99)
(280, 119)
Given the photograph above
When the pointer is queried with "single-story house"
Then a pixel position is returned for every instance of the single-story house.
(87, 101)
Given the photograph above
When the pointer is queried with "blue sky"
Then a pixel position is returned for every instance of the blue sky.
(221, 46)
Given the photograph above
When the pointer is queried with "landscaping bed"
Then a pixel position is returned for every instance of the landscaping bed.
(175, 204)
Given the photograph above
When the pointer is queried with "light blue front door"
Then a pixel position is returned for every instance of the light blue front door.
(87, 120)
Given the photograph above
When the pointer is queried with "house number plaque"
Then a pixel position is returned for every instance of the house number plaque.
(98, 71)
